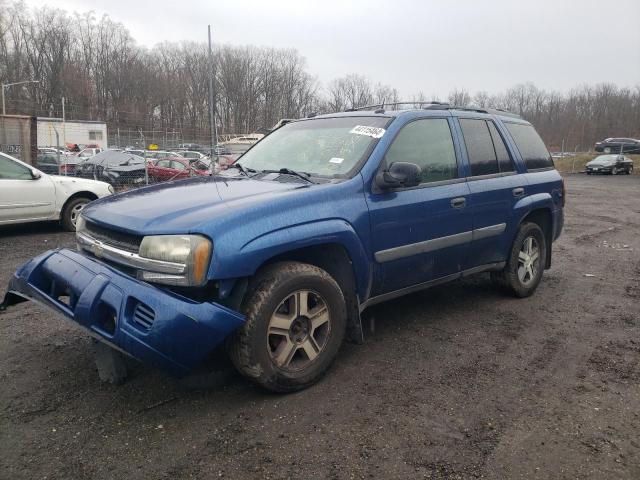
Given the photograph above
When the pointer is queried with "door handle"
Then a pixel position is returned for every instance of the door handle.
(518, 192)
(458, 202)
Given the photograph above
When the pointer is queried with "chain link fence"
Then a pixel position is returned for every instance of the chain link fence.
(124, 157)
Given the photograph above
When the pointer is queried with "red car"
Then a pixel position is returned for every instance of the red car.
(173, 168)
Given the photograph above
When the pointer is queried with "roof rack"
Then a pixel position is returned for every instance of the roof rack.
(433, 105)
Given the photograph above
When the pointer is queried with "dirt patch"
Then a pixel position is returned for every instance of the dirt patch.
(459, 382)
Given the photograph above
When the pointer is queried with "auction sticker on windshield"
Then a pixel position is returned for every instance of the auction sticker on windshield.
(374, 132)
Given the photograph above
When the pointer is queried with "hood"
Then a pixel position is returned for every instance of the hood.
(78, 183)
(182, 206)
(601, 161)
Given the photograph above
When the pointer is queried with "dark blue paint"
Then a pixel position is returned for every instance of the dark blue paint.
(252, 221)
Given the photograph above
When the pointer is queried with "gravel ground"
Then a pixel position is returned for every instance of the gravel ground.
(460, 381)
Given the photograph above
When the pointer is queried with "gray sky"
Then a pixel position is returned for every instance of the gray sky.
(429, 46)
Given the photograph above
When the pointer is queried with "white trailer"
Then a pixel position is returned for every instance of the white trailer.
(79, 132)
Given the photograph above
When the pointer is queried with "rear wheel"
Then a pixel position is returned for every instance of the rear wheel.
(614, 170)
(523, 272)
(71, 212)
(295, 324)
(630, 170)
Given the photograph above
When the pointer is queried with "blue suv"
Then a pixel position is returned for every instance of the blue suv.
(276, 258)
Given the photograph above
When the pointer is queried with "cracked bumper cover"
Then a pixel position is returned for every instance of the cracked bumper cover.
(103, 300)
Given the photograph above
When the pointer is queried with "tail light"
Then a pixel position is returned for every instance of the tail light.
(564, 193)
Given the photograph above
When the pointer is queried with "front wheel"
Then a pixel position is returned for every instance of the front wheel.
(295, 324)
(71, 212)
(523, 272)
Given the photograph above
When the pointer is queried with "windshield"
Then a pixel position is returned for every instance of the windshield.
(604, 159)
(323, 147)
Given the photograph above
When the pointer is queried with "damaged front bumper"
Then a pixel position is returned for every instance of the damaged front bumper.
(156, 326)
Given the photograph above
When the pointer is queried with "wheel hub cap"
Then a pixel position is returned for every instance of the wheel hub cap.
(299, 330)
(528, 260)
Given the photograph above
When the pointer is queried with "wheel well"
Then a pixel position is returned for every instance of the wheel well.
(90, 195)
(542, 217)
(334, 259)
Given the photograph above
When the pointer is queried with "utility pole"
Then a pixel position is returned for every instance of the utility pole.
(212, 117)
(64, 124)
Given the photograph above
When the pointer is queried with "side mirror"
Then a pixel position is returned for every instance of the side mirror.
(35, 174)
(399, 175)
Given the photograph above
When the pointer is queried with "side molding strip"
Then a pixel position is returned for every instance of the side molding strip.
(437, 243)
(423, 247)
(490, 231)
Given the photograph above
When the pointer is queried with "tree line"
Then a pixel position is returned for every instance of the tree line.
(96, 65)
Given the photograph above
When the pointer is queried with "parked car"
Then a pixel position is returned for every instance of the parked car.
(116, 168)
(277, 256)
(190, 146)
(155, 154)
(87, 153)
(612, 164)
(225, 161)
(133, 151)
(618, 145)
(48, 163)
(192, 154)
(28, 194)
(239, 145)
(54, 150)
(173, 168)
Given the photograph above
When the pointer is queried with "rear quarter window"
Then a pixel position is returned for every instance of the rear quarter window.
(533, 150)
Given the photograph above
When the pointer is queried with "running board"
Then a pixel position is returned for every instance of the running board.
(490, 267)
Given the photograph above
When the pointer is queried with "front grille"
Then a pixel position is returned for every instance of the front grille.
(124, 241)
(144, 316)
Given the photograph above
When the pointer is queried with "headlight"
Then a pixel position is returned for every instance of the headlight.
(111, 190)
(192, 251)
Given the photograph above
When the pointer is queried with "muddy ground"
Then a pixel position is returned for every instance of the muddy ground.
(460, 381)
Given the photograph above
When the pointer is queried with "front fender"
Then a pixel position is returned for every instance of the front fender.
(259, 250)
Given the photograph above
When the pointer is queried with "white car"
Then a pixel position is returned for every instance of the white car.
(29, 195)
(88, 153)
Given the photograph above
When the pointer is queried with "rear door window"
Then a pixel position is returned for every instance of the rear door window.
(505, 163)
(531, 147)
(480, 150)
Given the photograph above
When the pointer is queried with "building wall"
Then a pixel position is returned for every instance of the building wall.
(18, 137)
(77, 132)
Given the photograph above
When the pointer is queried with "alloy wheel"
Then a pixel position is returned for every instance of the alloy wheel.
(298, 330)
(528, 260)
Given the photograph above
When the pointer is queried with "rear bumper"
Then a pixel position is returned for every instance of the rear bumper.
(156, 326)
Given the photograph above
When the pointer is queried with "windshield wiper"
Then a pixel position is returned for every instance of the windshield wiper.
(241, 169)
(288, 171)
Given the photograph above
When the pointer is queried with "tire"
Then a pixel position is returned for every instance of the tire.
(511, 276)
(588, 173)
(614, 171)
(630, 170)
(271, 347)
(70, 212)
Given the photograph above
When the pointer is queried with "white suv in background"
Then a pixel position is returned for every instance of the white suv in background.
(29, 195)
